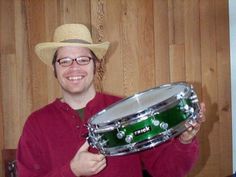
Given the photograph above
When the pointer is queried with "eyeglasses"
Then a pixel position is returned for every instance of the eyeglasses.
(67, 61)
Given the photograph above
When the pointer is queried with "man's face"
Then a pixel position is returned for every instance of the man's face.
(75, 79)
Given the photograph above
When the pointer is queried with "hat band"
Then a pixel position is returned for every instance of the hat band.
(76, 41)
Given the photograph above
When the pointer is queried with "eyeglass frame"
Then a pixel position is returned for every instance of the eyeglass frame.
(77, 59)
(54, 60)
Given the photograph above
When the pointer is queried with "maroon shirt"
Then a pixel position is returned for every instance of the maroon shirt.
(52, 136)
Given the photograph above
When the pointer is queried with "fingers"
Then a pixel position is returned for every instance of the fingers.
(203, 107)
(101, 166)
(97, 157)
(201, 115)
(86, 163)
(95, 164)
(193, 127)
(91, 156)
(191, 131)
(98, 166)
(84, 147)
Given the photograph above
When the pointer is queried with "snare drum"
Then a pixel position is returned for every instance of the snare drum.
(143, 120)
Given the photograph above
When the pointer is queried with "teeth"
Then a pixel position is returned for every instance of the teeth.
(75, 78)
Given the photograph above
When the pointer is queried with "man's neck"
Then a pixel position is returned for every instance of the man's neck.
(78, 100)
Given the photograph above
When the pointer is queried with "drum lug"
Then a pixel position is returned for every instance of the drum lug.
(153, 113)
(131, 146)
(180, 96)
(155, 122)
(95, 140)
(167, 134)
(193, 97)
(117, 125)
(164, 125)
(184, 108)
(97, 144)
(187, 109)
(129, 138)
(91, 142)
(120, 134)
(99, 137)
(103, 143)
(192, 120)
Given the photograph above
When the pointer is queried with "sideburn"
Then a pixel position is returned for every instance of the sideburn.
(54, 64)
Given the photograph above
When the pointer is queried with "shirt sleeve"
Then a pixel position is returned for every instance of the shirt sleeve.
(170, 159)
(32, 158)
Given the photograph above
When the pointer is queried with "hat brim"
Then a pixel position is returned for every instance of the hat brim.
(45, 51)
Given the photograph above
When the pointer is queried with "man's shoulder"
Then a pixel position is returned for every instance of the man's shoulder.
(45, 110)
(40, 116)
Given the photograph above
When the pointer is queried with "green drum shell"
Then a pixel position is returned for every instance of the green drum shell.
(148, 127)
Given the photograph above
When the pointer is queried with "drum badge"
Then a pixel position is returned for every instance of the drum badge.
(142, 131)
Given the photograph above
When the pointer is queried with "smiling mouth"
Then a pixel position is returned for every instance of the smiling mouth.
(75, 78)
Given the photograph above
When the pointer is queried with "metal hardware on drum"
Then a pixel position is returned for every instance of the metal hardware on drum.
(144, 120)
(164, 125)
(129, 138)
(155, 122)
(120, 134)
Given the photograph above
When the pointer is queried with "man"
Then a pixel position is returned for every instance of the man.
(53, 142)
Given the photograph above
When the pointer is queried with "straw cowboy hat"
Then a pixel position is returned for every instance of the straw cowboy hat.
(69, 35)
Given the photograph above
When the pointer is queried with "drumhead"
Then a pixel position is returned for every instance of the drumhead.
(138, 103)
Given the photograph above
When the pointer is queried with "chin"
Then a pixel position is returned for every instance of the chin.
(76, 91)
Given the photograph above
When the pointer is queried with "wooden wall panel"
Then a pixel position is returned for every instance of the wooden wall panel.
(14, 75)
(176, 21)
(176, 40)
(192, 43)
(210, 155)
(223, 86)
(137, 50)
(161, 42)
(52, 20)
(102, 23)
(145, 48)
(36, 33)
(7, 27)
(15, 94)
(23, 67)
(177, 63)
(75, 11)
(11, 96)
(129, 46)
(152, 42)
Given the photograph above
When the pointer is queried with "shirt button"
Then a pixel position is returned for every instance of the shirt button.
(77, 126)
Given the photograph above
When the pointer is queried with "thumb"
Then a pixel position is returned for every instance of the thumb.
(84, 147)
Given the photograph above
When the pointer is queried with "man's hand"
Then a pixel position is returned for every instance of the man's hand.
(86, 163)
(187, 136)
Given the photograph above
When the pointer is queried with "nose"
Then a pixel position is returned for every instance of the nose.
(74, 63)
